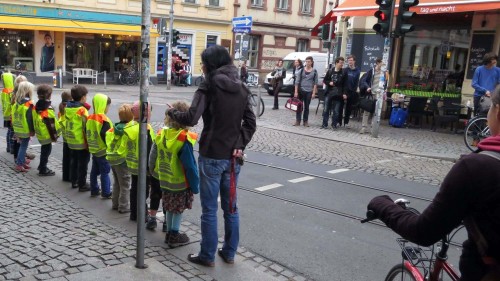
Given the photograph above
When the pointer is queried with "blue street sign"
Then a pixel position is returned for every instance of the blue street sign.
(242, 24)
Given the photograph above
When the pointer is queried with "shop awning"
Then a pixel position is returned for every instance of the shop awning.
(326, 19)
(71, 26)
(368, 7)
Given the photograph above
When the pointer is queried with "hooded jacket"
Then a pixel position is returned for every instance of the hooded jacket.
(97, 126)
(45, 124)
(228, 118)
(470, 189)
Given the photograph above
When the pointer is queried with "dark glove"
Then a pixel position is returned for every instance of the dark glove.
(378, 203)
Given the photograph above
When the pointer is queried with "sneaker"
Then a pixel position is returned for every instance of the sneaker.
(30, 156)
(306, 124)
(177, 239)
(323, 127)
(297, 123)
(26, 166)
(20, 169)
(27, 161)
(165, 229)
(108, 196)
(74, 185)
(123, 211)
(151, 223)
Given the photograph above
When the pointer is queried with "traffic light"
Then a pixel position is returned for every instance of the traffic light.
(383, 15)
(404, 15)
(324, 31)
(175, 37)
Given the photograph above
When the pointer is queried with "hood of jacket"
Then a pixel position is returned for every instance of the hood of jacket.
(119, 128)
(490, 144)
(99, 103)
(41, 105)
(130, 124)
(226, 79)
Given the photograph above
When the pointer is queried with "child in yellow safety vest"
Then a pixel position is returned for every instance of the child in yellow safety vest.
(66, 153)
(46, 127)
(22, 122)
(172, 162)
(6, 96)
(97, 126)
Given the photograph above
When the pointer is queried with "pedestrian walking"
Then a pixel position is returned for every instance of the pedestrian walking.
(97, 126)
(306, 87)
(485, 79)
(66, 153)
(6, 97)
(22, 122)
(334, 80)
(131, 145)
(173, 165)
(279, 73)
(371, 83)
(76, 115)
(115, 154)
(228, 126)
(352, 73)
(46, 127)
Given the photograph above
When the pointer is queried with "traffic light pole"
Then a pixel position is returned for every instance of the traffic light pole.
(141, 190)
(170, 38)
(385, 60)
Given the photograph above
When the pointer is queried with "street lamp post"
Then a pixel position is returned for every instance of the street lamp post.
(170, 36)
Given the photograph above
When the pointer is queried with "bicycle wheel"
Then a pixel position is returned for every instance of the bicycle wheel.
(400, 273)
(254, 101)
(476, 130)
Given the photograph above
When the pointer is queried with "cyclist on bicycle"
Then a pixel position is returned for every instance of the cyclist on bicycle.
(485, 79)
(470, 193)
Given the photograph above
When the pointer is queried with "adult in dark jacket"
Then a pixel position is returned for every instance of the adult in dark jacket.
(471, 190)
(228, 126)
(334, 80)
(351, 87)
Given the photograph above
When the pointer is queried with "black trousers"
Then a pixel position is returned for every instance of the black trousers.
(352, 99)
(79, 166)
(66, 163)
(156, 194)
(45, 151)
(133, 195)
(277, 91)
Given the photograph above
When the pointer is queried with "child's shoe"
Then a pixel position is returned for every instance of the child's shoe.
(20, 169)
(177, 239)
(27, 161)
(26, 166)
(151, 223)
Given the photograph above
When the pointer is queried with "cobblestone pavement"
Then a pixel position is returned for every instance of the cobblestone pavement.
(44, 235)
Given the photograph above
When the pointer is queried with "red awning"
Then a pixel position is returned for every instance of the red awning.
(326, 19)
(368, 7)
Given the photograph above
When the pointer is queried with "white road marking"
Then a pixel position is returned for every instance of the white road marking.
(383, 161)
(337, 171)
(267, 187)
(301, 179)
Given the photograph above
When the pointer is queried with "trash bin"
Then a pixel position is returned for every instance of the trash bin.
(57, 78)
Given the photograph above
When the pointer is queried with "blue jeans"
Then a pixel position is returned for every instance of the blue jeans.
(331, 104)
(306, 99)
(215, 178)
(337, 113)
(21, 154)
(100, 166)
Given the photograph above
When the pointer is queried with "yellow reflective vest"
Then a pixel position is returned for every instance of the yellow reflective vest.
(19, 121)
(168, 167)
(41, 130)
(94, 125)
(74, 127)
(8, 84)
(131, 145)
(114, 141)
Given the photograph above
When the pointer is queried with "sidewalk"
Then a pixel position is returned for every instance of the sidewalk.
(49, 231)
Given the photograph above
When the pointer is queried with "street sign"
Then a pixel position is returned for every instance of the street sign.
(242, 24)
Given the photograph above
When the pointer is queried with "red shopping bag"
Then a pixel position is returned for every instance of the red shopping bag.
(294, 104)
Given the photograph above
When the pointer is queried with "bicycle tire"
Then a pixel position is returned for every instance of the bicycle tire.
(399, 273)
(254, 102)
(477, 129)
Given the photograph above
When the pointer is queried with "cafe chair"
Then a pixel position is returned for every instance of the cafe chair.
(321, 100)
(416, 109)
(444, 115)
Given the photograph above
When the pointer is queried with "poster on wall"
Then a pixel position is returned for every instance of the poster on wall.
(367, 48)
(47, 54)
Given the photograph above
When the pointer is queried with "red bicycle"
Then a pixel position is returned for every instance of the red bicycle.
(421, 263)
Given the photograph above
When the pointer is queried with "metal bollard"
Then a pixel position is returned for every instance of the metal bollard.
(259, 94)
(104, 79)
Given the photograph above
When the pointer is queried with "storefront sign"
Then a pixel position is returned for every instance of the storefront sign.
(41, 12)
(185, 39)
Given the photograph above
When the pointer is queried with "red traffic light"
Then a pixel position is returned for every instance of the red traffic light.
(381, 15)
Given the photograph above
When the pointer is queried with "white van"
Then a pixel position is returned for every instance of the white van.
(320, 60)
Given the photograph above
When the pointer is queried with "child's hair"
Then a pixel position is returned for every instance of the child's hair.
(109, 101)
(180, 106)
(19, 79)
(125, 113)
(44, 91)
(136, 110)
(65, 97)
(24, 90)
(78, 91)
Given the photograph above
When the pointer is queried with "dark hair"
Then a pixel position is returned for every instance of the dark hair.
(109, 101)
(213, 58)
(495, 96)
(78, 91)
(489, 57)
(300, 62)
(378, 60)
(44, 91)
(311, 59)
(351, 57)
(65, 97)
(339, 59)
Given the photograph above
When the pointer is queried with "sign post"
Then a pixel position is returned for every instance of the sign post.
(241, 25)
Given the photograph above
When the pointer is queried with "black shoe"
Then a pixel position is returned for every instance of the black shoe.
(151, 223)
(177, 239)
(84, 188)
(324, 127)
(95, 194)
(74, 185)
(165, 229)
(47, 173)
(194, 258)
(226, 260)
(275, 108)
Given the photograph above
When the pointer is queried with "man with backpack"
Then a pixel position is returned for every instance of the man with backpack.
(352, 75)
(369, 87)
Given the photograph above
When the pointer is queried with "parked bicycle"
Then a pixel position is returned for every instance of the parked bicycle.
(421, 263)
(254, 101)
(476, 130)
(129, 76)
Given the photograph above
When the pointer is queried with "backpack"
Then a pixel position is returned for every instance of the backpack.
(362, 89)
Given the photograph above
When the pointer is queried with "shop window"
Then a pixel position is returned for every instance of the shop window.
(213, 3)
(305, 6)
(16, 50)
(190, 1)
(302, 45)
(257, 3)
(211, 40)
(435, 57)
(413, 53)
(80, 53)
(425, 56)
(253, 51)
